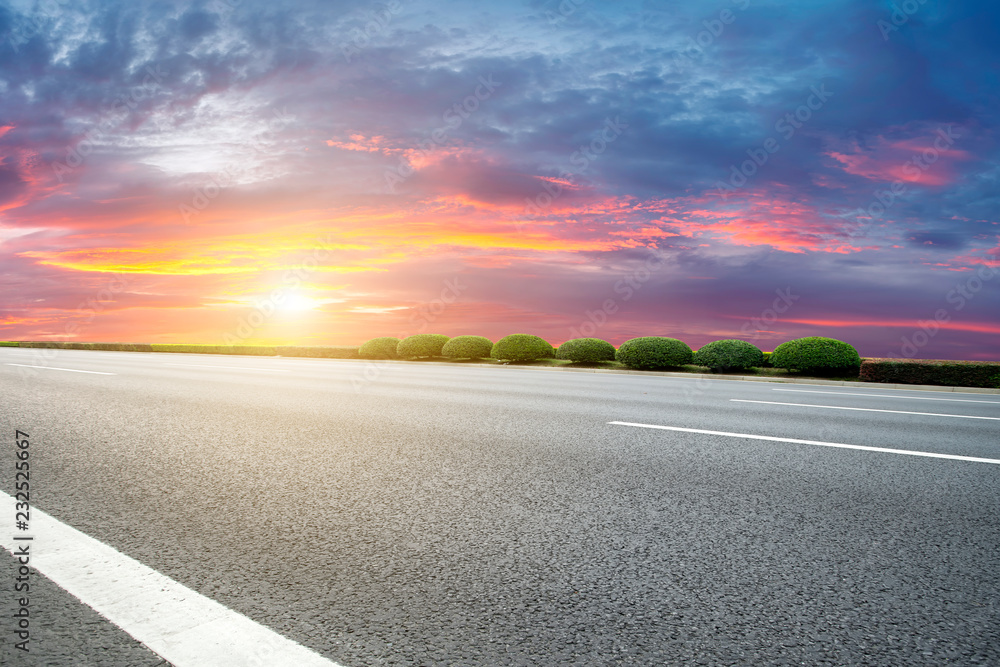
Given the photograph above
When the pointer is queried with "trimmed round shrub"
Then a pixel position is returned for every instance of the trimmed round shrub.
(421, 345)
(588, 350)
(522, 347)
(379, 348)
(467, 347)
(654, 352)
(816, 355)
(729, 354)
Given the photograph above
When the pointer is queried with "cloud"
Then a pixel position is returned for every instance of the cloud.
(925, 157)
(204, 149)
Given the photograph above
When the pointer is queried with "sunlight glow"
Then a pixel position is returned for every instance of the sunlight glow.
(299, 303)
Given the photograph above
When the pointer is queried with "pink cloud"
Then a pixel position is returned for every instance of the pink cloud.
(977, 327)
(927, 158)
(358, 142)
(767, 218)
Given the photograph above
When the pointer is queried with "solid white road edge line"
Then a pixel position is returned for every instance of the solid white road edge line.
(184, 627)
(933, 455)
(53, 368)
(913, 398)
(234, 368)
(840, 407)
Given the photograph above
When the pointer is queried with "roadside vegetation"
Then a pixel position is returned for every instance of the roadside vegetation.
(586, 351)
(473, 348)
(421, 346)
(818, 356)
(522, 347)
(654, 352)
(379, 348)
(729, 355)
(811, 357)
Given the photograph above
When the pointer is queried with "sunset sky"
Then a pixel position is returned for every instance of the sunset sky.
(325, 172)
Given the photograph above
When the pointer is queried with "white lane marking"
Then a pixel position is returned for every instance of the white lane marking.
(909, 398)
(840, 407)
(933, 455)
(53, 368)
(184, 627)
(235, 368)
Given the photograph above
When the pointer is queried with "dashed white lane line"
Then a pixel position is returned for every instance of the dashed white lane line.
(53, 368)
(234, 368)
(841, 407)
(908, 452)
(184, 627)
(908, 398)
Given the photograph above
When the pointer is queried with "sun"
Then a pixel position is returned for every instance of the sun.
(299, 303)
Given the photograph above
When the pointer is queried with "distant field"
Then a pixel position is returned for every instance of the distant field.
(325, 351)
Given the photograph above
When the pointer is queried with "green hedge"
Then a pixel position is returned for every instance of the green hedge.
(379, 348)
(522, 347)
(252, 350)
(319, 351)
(729, 354)
(586, 350)
(467, 347)
(816, 355)
(108, 347)
(654, 352)
(122, 347)
(421, 345)
(9, 344)
(932, 371)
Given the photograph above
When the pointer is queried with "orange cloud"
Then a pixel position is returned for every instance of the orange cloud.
(215, 256)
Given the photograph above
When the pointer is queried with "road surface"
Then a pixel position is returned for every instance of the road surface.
(408, 514)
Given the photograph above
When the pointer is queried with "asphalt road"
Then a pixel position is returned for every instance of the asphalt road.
(408, 514)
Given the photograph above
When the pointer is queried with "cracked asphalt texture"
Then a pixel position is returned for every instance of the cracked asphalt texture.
(402, 514)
